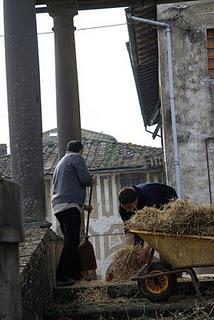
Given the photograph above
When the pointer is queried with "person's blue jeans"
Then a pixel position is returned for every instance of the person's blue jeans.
(69, 262)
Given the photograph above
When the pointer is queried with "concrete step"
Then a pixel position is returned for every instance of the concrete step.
(100, 300)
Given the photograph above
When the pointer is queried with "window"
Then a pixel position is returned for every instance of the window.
(210, 52)
(132, 179)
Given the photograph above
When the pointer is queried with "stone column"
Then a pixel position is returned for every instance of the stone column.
(11, 233)
(24, 105)
(67, 93)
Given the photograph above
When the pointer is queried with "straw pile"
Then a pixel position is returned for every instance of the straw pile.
(178, 217)
(126, 263)
(97, 296)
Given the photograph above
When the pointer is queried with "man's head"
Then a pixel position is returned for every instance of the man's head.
(128, 198)
(75, 146)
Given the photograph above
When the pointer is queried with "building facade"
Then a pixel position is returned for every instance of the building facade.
(192, 32)
(182, 41)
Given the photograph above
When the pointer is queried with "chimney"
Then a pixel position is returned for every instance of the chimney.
(3, 149)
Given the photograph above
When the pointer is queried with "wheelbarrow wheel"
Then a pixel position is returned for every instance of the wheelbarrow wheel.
(157, 288)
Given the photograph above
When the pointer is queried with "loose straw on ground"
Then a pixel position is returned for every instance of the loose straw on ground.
(126, 263)
(97, 296)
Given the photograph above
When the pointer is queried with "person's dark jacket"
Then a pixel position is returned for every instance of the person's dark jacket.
(151, 195)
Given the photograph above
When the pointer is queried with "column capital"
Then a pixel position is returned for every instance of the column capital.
(66, 8)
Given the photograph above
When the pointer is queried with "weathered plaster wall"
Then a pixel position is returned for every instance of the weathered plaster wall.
(193, 95)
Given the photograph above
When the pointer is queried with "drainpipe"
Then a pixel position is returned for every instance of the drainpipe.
(208, 166)
(171, 95)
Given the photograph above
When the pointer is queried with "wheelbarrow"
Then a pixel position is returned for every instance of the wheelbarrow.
(179, 253)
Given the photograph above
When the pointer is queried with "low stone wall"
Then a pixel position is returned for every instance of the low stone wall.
(37, 271)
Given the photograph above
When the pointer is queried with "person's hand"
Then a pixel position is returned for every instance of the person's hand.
(88, 207)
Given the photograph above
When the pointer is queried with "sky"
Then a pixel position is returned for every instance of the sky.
(108, 97)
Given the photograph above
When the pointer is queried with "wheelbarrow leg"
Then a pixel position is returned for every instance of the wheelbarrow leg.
(148, 261)
(145, 267)
(194, 281)
(150, 257)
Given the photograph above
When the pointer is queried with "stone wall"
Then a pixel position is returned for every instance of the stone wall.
(37, 271)
(193, 96)
(11, 233)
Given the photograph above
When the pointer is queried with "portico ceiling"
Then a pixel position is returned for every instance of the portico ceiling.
(102, 4)
(96, 4)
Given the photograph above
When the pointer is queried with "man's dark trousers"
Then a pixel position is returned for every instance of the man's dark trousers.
(69, 263)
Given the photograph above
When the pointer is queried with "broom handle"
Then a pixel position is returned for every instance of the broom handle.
(89, 211)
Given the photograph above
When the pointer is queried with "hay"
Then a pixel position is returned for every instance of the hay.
(178, 217)
(92, 296)
(126, 263)
(199, 312)
(97, 296)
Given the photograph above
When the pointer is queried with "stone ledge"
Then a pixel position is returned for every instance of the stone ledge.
(36, 271)
(28, 247)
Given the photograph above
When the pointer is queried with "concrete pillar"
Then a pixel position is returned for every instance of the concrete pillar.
(24, 105)
(11, 233)
(67, 93)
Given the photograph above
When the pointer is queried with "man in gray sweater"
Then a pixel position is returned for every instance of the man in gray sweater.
(70, 179)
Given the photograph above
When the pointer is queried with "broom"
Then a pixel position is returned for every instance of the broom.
(87, 255)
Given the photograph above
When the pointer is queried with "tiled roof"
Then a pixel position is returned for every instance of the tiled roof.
(101, 152)
(143, 51)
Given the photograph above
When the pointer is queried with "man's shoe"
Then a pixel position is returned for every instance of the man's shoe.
(66, 282)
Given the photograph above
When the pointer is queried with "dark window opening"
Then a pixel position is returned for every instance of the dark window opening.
(210, 52)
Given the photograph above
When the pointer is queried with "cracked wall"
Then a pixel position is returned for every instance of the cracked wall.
(194, 97)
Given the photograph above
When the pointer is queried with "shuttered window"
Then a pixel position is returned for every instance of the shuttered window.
(210, 52)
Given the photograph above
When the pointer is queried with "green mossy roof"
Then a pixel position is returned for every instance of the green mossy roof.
(101, 152)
